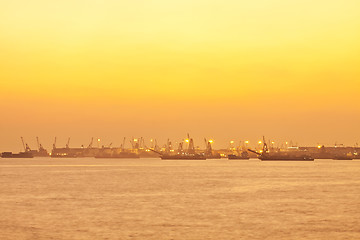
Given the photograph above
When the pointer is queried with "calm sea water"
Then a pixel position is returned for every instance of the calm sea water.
(45, 198)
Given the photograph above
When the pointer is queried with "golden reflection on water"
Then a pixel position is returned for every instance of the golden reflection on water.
(154, 199)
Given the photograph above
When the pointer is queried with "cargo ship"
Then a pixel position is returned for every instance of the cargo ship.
(189, 154)
(267, 155)
(343, 157)
(26, 154)
(17, 155)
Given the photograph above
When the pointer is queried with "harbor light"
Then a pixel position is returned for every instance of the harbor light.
(187, 140)
(260, 142)
(231, 141)
(211, 141)
(247, 142)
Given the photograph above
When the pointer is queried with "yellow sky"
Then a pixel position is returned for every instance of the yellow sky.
(228, 69)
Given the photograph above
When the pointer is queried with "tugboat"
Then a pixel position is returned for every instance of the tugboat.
(267, 155)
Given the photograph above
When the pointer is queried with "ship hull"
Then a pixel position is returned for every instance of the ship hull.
(286, 159)
(343, 158)
(175, 157)
(16, 155)
(236, 157)
(119, 155)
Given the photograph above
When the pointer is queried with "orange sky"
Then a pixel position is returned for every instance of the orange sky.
(220, 69)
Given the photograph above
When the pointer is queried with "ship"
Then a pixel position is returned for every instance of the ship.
(189, 154)
(117, 152)
(183, 157)
(180, 156)
(242, 156)
(26, 154)
(239, 153)
(114, 154)
(17, 155)
(36, 153)
(266, 155)
(343, 157)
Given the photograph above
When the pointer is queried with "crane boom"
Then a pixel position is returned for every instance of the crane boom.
(254, 152)
(91, 142)
(68, 143)
(22, 140)
(54, 144)
(37, 140)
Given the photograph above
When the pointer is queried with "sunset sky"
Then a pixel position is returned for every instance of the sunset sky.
(227, 70)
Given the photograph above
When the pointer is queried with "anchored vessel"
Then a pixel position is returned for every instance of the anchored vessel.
(190, 154)
(117, 155)
(266, 155)
(17, 155)
(183, 157)
(242, 156)
(180, 156)
(343, 157)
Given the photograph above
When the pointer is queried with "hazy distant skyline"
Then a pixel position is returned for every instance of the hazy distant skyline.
(228, 70)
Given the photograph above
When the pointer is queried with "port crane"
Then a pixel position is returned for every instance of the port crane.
(91, 143)
(40, 147)
(191, 148)
(68, 143)
(208, 150)
(54, 144)
(180, 148)
(156, 147)
(264, 149)
(123, 145)
(25, 145)
(168, 146)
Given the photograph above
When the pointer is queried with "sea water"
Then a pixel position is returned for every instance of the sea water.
(89, 198)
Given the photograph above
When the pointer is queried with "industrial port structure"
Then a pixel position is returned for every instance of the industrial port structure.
(185, 149)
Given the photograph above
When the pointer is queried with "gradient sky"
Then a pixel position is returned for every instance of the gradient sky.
(217, 69)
